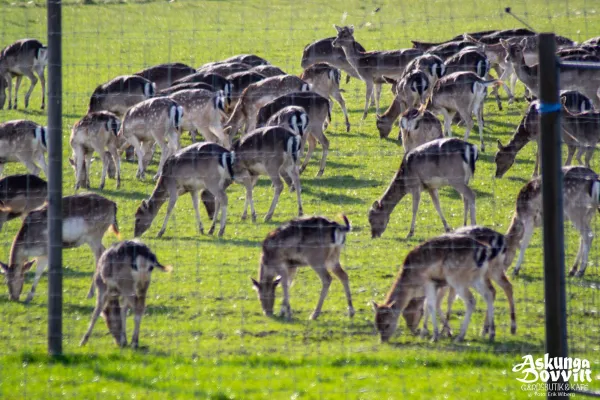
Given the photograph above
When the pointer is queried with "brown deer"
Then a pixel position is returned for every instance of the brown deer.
(23, 58)
(20, 194)
(120, 94)
(313, 241)
(86, 217)
(123, 272)
(417, 127)
(23, 141)
(438, 163)
(460, 261)
(163, 75)
(196, 167)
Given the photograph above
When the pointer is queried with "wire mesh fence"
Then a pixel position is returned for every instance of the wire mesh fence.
(204, 332)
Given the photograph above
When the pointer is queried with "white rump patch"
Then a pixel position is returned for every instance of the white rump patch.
(73, 229)
(294, 124)
(413, 86)
(596, 192)
(305, 87)
(339, 237)
(404, 123)
(443, 67)
(40, 136)
(304, 119)
(424, 84)
(149, 90)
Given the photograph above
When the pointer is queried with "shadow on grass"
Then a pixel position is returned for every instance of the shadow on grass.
(341, 181)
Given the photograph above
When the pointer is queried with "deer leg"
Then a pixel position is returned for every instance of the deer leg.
(486, 322)
(482, 287)
(337, 96)
(8, 78)
(588, 156)
(97, 248)
(249, 183)
(292, 171)
(194, 195)
(126, 306)
(312, 143)
(368, 94)
(79, 166)
(537, 159)
(468, 200)
(570, 153)
(31, 167)
(139, 151)
(468, 123)
(435, 198)
(502, 280)
(286, 309)
(40, 72)
(377, 95)
(416, 199)
(495, 90)
(278, 185)
(117, 160)
(221, 199)
(325, 282)
(42, 162)
(100, 305)
(88, 167)
(33, 80)
(42, 262)
(478, 111)
(172, 201)
(430, 302)
(343, 277)
(585, 243)
(524, 243)
(447, 122)
(165, 152)
(139, 307)
(325, 143)
(17, 86)
(466, 295)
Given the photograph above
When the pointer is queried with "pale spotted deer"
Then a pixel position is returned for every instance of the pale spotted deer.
(196, 167)
(581, 201)
(23, 141)
(460, 261)
(438, 163)
(85, 219)
(25, 57)
(123, 277)
(313, 241)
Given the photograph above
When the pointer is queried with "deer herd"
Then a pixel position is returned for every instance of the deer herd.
(256, 120)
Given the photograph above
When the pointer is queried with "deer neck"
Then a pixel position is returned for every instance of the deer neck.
(352, 55)
(401, 292)
(159, 196)
(514, 235)
(526, 74)
(395, 192)
(521, 137)
(393, 111)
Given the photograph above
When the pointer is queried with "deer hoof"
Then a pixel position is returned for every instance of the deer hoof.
(351, 312)
(579, 274)
(410, 234)
(160, 233)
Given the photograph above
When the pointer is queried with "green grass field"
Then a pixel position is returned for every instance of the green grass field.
(203, 334)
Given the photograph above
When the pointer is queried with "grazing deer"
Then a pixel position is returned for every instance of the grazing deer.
(185, 86)
(318, 109)
(124, 272)
(267, 151)
(447, 50)
(120, 94)
(163, 75)
(323, 51)
(313, 241)
(581, 201)
(97, 131)
(438, 163)
(23, 58)
(199, 166)
(215, 80)
(431, 65)
(473, 60)
(250, 59)
(462, 93)
(374, 64)
(268, 71)
(202, 112)
(23, 141)
(240, 81)
(410, 92)
(224, 69)
(459, 260)
(417, 127)
(295, 118)
(257, 95)
(86, 217)
(477, 35)
(19, 194)
(154, 120)
(586, 81)
(325, 80)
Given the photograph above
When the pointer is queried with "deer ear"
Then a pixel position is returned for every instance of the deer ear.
(3, 268)
(27, 265)
(392, 304)
(72, 162)
(255, 284)
(337, 28)
(389, 80)
(374, 305)
(504, 43)
(276, 281)
(351, 29)
(500, 146)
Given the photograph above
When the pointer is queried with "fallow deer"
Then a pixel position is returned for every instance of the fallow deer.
(374, 64)
(325, 80)
(267, 151)
(196, 167)
(240, 81)
(96, 131)
(123, 272)
(3, 86)
(224, 69)
(459, 260)
(257, 95)
(432, 65)
(215, 80)
(202, 112)
(462, 93)
(268, 71)
(313, 241)
(85, 219)
(250, 59)
(23, 58)
(23, 141)
(417, 127)
(120, 94)
(20, 194)
(156, 120)
(438, 163)
(185, 86)
(318, 109)
(581, 201)
(410, 92)
(163, 75)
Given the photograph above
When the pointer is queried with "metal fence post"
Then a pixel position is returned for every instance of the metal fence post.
(552, 191)
(54, 177)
